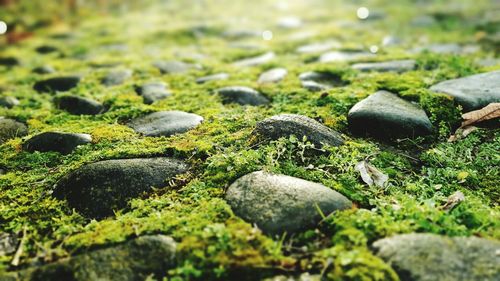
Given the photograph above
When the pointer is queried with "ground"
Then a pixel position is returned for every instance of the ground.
(213, 243)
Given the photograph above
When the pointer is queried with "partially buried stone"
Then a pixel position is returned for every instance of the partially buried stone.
(63, 143)
(431, 257)
(46, 49)
(173, 67)
(97, 189)
(45, 69)
(280, 203)
(116, 77)
(320, 80)
(153, 91)
(165, 123)
(344, 56)
(272, 76)
(258, 60)
(78, 105)
(242, 95)
(214, 77)
(385, 116)
(9, 61)
(57, 84)
(285, 125)
(10, 129)
(8, 101)
(386, 66)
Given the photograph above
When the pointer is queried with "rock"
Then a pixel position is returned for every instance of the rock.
(145, 257)
(165, 123)
(214, 77)
(59, 84)
(97, 189)
(344, 56)
(153, 91)
(173, 67)
(450, 48)
(10, 129)
(319, 81)
(472, 92)
(78, 105)
(272, 76)
(318, 47)
(284, 125)
(9, 61)
(8, 101)
(242, 95)
(45, 69)
(314, 86)
(46, 49)
(431, 257)
(253, 61)
(390, 41)
(116, 77)
(63, 143)
(386, 66)
(279, 203)
(385, 116)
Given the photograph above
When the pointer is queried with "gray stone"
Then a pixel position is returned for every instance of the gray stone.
(116, 77)
(314, 86)
(289, 22)
(272, 76)
(385, 116)
(97, 189)
(450, 48)
(386, 66)
(472, 92)
(173, 67)
(153, 91)
(318, 81)
(10, 129)
(242, 95)
(78, 105)
(258, 60)
(285, 125)
(431, 257)
(63, 143)
(165, 123)
(214, 77)
(46, 49)
(8, 101)
(318, 47)
(59, 84)
(44, 69)
(279, 203)
(9, 61)
(344, 56)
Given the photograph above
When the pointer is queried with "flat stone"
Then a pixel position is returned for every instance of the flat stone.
(214, 77)
(8, 102)
(116, 77)
(314, 86)
(472, 92)
(153, 91)
(10, 129)
(174, 67)
(386, 66)
(97, 189)
(431, 257)
(63, 143)
(254, 61)
(272, 76)
(344, 56)
(9, 61)
(165, 123)
(385, 116)
(242, 95)
(450, 48)
(279, 203)
(285, 125)
(78, 105)
(57, 84)
(319, 81)
(44, 69)
(318, 47)
(46, 49)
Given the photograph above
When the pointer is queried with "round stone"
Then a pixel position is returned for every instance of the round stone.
(165, 123)
(242, 95)
(10, 129)
(63, 143)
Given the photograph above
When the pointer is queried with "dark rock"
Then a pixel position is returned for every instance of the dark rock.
(172, 67)
(279, 203)
(45, 69)
(152, 92)
(97, 189)
(8, 101)
(10, 129)
(63, 143)
(319, 81)
(472, 92)
(285, 125)
(116, 77)
(272, 76)
(78, 105)
(242, 95)
(46, 49)
(9, 61)
(258, 60)
(431, 257)
(214, 77)
(385, 116)
(60, 84)
(386, 66)
(165, 123)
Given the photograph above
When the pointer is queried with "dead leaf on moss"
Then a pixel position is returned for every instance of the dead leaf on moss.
(371, 175)
(491, 111)
(453, 200)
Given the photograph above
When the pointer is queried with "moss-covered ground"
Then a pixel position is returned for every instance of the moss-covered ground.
(213, 242)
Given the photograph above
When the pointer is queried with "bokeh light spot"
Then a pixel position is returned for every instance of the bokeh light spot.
(267, 35)
(363, 13)
(3, 27)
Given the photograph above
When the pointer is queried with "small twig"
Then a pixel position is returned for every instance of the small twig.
(19, 252)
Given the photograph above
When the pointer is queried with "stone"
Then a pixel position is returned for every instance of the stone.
(165, 123)
(385, 116)
(272, 76)
(285, 125)
(78, 105)
(242, 95)
(99, 188)
(9, 61)
(46, 49)
(472, 92)
(386, 66)
(153, 91)
(450, 48)
(10, 129)
(116, 77)
(318, 47)
(280, 203)
(8, 102)
(174, 67)
(344, 56)
(289, 22)
(254, 61)
(314, 86)
(319, 81)
(214, 77)
(142, 258)
(431, 257)
(63, 143)
(44, 69)
(57, 84)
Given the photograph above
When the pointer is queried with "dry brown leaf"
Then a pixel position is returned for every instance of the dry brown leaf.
(488, 112)
(461, 133)
(371, 175)
(453, 201)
